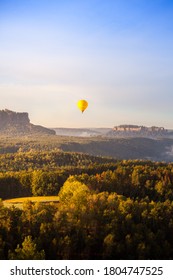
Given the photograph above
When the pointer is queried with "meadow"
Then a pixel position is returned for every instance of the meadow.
(18, 202)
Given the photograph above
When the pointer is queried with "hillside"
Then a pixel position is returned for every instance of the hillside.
(49, 160)
(117, 148)
(125, 148)
(69, 205)
(15, 123)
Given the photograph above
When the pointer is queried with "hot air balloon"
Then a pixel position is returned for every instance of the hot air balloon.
(82, 105)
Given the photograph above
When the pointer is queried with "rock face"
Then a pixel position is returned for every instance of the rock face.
(14, 123)
(139, 131)
(8, 118)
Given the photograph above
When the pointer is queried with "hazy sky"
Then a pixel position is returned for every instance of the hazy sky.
(117, 54)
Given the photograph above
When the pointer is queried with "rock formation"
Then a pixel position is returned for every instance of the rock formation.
(14, 123)
(138, 131)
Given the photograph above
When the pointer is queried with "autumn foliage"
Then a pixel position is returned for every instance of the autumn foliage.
(106, 210)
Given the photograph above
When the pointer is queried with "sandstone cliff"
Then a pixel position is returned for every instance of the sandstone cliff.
(14, 123)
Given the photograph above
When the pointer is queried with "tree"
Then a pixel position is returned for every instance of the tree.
(73, 191)
(44, 183)
(28, 251)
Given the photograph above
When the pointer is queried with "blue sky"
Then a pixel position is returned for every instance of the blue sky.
(117, 54)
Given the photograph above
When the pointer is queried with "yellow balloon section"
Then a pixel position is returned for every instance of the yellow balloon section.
(82, 105)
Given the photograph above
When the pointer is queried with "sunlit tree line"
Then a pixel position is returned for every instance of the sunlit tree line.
(48, 160)
(132, 179)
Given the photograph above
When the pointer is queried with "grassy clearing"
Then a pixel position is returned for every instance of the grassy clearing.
(19, 201)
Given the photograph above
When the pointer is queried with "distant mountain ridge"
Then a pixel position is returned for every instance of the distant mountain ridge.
(15, 123)
(121, 131)
(139, 131)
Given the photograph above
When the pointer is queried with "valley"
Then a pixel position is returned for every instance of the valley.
(84, 194)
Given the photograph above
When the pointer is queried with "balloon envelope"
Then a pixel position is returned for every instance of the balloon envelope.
(82, 105)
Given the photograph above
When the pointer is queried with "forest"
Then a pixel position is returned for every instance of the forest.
(107, 208)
